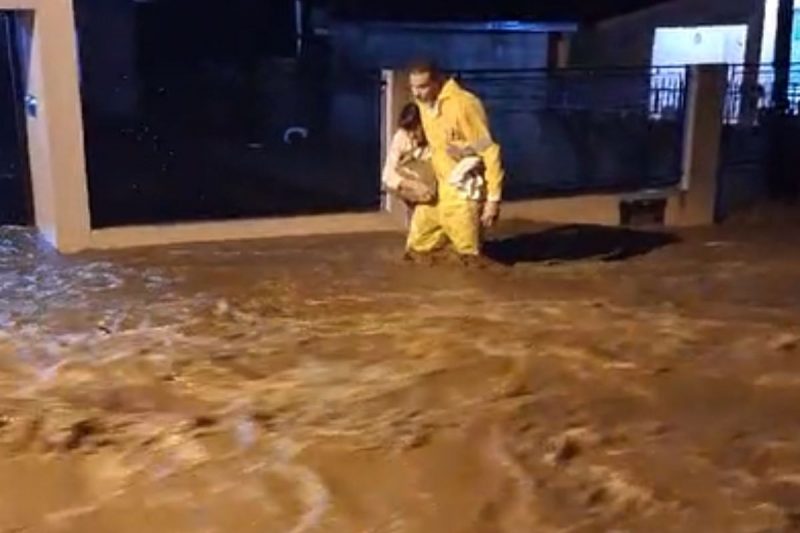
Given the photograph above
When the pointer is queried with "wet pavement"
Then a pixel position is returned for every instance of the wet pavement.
(600, 381)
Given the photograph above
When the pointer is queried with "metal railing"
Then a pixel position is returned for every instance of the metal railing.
(658, 91)
(750, 93)
(668, 91)
(585, 130)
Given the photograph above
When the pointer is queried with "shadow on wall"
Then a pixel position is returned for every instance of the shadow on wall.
(575, 243)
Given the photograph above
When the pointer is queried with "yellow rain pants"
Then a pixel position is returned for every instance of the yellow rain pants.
(452, 220)
(458, 118)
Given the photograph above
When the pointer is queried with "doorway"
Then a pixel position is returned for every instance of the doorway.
(16, 206)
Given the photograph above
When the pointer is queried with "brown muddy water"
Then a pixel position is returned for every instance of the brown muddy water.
(601, 382)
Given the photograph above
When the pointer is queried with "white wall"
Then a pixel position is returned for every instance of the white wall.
(699, 45)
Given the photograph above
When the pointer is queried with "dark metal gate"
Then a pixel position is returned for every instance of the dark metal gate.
(15, 197)
(758, 154)
(585, 131)
(209, 123)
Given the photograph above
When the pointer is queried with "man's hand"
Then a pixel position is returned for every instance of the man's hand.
(454, 152)
(491, 212)
(457, 153)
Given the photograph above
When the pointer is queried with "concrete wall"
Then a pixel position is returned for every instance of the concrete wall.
(628, 40)
(372, 46)
(696, 204)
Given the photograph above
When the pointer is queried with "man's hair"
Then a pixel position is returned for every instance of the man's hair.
(425, 66)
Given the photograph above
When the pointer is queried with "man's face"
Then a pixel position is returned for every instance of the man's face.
(424, 87)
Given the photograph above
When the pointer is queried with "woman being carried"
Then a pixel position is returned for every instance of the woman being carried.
(408, 172)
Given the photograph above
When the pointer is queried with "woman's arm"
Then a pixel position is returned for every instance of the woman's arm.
(400, 144)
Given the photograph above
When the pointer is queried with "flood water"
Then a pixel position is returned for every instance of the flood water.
(600, 381)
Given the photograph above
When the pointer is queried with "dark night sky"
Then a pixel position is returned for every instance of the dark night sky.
(566, 10)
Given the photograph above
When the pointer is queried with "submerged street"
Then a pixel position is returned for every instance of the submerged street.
(601, 381)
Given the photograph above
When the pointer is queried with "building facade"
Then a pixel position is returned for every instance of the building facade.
(631, 40)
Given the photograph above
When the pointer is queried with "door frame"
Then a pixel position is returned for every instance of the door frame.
(54, 123)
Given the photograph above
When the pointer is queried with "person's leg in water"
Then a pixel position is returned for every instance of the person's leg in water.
(454, 220)
(425, 235)
(460, 221)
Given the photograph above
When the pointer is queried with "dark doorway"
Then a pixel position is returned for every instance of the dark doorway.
(15, 194)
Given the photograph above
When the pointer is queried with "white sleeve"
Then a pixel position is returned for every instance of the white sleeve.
(391, 179)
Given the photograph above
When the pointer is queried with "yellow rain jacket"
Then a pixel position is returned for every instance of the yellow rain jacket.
(456, 118)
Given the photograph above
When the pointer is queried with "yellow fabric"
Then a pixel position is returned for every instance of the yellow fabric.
(452, 220)
(456, 118)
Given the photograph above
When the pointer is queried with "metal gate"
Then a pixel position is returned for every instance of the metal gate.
(580, 131)
(758, 154)
(298, 146)
(15, 197)
(215, 128)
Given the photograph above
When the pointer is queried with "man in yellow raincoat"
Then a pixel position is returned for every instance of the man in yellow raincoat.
(453, 119)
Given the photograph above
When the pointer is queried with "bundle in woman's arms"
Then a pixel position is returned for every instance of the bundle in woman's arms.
(418, 184)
